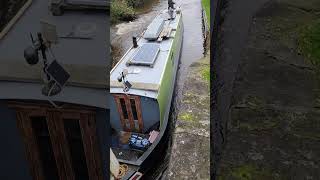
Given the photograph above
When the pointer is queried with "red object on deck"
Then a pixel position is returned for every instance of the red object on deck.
(136, 176)
(153, 136)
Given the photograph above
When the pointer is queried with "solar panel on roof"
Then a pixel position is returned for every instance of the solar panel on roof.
(146, 55)
(154, 29)
(58, 73)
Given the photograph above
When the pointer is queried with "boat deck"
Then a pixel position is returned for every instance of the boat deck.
(127, 154)
(122, 150)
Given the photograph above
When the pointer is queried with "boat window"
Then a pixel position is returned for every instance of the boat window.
(43, 141)
(78, 159)
(134, 109)
(124, 108)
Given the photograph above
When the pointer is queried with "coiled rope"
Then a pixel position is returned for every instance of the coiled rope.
(122, 170)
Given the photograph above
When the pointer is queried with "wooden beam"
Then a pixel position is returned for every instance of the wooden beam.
(139, 112)
(129, 110)
(31, 147)
(39, 105)
(119, 107)
(91, 148)
(60, 145)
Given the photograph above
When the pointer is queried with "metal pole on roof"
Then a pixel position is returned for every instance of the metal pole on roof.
(171, 4)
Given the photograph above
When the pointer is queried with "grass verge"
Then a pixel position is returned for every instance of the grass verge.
(121, 11)
(206, 6)
(309, 43)
(205, 71)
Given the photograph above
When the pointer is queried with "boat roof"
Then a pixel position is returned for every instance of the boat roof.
(70, 94)
(85, 59)
(145, 80)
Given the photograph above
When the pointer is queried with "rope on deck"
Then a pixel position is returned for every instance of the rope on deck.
(123, 169)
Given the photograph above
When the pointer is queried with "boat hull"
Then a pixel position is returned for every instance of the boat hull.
(158, 152)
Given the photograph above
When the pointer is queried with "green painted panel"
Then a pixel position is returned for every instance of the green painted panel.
(165, 90)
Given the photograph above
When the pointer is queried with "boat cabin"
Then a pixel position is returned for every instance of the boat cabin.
(141, 87)
(60, 136)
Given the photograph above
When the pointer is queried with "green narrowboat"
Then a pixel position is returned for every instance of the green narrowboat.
(141, 87)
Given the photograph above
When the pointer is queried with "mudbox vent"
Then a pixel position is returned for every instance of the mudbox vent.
(146, 55)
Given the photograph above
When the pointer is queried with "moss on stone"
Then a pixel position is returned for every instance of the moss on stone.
(306, 126)
(205, 72)
(309, 42)
(186, 117)
(247, 172)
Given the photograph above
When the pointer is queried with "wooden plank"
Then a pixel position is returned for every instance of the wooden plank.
(43, 105)
(91, 148)
(129, 110)
(31, 150)
(122, 120)
(139, 112)
(37, 112)
(71, 115)
(60, 145)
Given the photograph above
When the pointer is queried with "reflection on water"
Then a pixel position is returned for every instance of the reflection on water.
(192, 50)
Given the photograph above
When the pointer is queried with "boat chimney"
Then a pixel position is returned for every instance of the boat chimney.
(135, 43)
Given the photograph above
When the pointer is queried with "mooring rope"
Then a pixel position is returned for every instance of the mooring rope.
(122, 170)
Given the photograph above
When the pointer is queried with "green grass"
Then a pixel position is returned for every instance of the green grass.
(309, 43)
(250, 172)
(206, 6)
(205, 68)
(247, 172)
(121, 11)
(205, 73)
(186, 117)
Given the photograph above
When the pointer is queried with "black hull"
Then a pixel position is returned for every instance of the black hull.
(158, 154)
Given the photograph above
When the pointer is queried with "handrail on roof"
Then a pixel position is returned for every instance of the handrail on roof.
(11, 23)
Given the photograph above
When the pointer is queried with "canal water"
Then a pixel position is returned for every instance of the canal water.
(192, 50)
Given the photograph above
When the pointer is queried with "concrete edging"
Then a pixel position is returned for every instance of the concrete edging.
(11, 23)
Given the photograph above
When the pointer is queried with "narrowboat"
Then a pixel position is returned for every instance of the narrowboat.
(141, 88)
(53, 94)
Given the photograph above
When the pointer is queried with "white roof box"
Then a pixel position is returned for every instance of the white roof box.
(154, 29)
